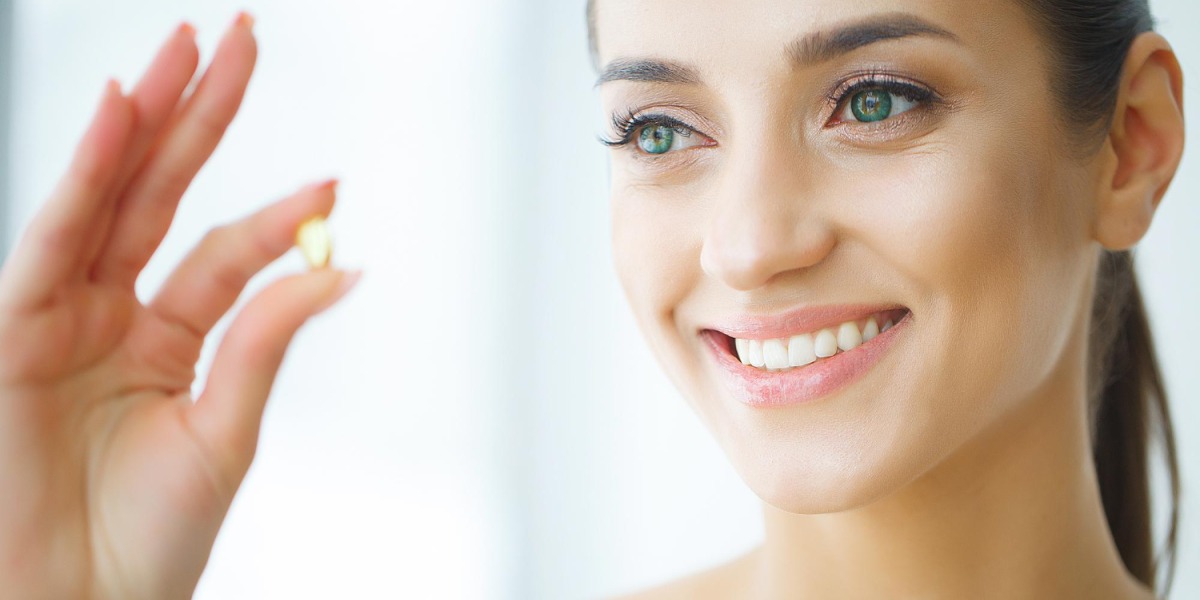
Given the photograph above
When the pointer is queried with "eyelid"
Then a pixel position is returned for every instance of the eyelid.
(923, 95)
(626, 127)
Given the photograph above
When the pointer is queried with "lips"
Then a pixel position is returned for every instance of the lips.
(802, 379)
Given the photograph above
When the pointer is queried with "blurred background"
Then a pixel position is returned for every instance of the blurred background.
(480, 419)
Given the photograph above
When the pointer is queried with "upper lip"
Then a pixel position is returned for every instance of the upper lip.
(805, 319)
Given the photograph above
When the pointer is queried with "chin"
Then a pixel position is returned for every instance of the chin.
(800, 481)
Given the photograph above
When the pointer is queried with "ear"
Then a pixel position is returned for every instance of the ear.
(1144, 145)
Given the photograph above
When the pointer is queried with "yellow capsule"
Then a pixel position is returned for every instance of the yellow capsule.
(314, 242)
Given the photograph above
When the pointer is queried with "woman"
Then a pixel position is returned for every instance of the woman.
(930, 229)
(880, 247)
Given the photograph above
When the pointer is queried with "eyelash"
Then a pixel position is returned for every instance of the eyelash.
(912, 92)
(629, 124)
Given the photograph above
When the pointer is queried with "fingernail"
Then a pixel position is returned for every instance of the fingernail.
(187, 29)
(327, 184)
(349, 280)
(246, 20)
(112, 87)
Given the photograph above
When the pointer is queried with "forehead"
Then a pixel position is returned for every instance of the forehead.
(722, 35)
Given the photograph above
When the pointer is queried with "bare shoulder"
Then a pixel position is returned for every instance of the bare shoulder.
(726, 580)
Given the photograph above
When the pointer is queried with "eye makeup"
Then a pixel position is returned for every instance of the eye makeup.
(629, 126)
(881, 85)
(867, 104)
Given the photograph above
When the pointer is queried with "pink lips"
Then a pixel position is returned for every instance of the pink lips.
(759, 388)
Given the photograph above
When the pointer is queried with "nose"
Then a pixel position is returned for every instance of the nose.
(766, 220)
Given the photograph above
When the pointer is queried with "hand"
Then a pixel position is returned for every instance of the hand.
(113, 482)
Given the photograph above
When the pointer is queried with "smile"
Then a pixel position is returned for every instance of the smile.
(802, 356)
(778, 354)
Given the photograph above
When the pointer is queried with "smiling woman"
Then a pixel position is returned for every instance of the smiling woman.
(886, 261)
(882, 248)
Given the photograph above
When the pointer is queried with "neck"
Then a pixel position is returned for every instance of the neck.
(1015, 514)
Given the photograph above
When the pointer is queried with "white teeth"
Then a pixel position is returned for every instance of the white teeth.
(848, 337)
(800, 350)
(870, 330)
(825, 344)
(756, 353)
(775, 354)
(743, 350)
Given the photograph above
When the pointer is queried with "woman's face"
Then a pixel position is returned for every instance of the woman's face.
(794, 166)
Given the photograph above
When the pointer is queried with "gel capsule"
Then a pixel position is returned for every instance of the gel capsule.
(314, 242)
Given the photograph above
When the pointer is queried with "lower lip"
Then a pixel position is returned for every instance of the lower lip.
(759, 388)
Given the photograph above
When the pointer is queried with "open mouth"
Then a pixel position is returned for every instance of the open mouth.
(806, 348)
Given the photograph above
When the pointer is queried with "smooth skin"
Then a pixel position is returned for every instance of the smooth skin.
(959, 466)
(954, 470)
(115, 482)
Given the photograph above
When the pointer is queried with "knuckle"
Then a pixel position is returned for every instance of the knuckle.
(211, 123)
(228, 277)
(61, 238)
(216, 238)
(222, 255)
(176, 182)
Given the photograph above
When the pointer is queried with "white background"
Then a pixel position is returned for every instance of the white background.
(480, 419)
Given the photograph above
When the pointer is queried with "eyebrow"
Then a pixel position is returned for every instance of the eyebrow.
(824, 46)
(650, 70)
(811, 49)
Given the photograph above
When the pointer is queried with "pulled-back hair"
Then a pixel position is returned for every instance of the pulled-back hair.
(1127, 401)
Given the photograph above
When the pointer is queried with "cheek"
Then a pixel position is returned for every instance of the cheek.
(989, 241)
(655, 240)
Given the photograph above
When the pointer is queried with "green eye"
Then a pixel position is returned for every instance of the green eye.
(871, 105)
(656, 139)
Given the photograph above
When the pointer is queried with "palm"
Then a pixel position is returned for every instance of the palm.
(114, 482)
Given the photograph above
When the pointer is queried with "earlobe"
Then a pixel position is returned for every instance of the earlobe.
(1145, 143)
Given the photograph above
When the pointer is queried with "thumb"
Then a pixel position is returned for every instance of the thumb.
(229, 411)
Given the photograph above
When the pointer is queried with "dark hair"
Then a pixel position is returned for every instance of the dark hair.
(1127, 401)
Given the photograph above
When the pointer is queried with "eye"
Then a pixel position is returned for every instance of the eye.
(661, 139)
(869, 106)
(652, 136)
(878, 97)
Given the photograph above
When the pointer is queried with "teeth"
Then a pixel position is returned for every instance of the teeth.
(848, 337)
(871, 330)
(801, 351)
(743, 350)
(825, 344)
(756, 353)
(805, 349)
(775, 354)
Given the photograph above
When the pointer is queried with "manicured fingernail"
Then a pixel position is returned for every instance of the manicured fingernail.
(349, 280)
(112, 87)
(328, 184)
(246, 20)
